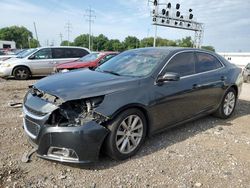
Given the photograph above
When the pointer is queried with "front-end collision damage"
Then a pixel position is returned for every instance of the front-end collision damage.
(71, 113)
(69, 131)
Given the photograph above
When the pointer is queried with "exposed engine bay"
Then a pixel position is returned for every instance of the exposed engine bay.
(72, 113)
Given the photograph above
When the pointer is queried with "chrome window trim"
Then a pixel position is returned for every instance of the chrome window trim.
(184, 51)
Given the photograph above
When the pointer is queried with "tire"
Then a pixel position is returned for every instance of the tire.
(122, 141)
(21, 73)
(227, 105)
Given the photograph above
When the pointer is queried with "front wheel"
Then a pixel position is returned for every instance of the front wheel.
(21, 73)
(127, 133)
(227, 105)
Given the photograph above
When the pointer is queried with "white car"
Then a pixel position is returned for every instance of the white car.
(39, 61)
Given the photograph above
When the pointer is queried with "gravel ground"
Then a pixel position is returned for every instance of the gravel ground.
(205, 153)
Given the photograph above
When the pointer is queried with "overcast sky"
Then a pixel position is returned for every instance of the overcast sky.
(227, 22)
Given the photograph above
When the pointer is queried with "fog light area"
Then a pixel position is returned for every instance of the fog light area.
(62, 153)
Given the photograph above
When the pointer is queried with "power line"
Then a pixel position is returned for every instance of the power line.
(90, 19)
(68, 27)
(36, 32)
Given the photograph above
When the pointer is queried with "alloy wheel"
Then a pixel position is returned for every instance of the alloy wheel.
(129, 134)
(229, 103)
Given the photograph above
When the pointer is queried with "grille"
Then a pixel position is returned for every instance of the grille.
(34, 111)
(31, 128)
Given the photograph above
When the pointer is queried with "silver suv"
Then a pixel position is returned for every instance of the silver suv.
(246, 73)
(39, 61)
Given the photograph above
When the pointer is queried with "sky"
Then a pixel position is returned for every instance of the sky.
(227, 22)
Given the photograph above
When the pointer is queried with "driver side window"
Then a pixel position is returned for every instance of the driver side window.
(43, 54)
(183, 64)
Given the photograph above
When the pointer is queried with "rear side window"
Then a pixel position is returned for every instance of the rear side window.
(59, 53)
(183, 64)
(206, 62)
(77, 53)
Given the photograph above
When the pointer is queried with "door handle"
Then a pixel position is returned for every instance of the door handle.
(196, 86)
(223, 78)
(53, 62)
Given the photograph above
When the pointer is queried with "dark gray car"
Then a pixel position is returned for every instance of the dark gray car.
(71, 116)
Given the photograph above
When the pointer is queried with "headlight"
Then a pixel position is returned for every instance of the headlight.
(77, 113)
(64, 70)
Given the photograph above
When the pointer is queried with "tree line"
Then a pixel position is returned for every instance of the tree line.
(21, 35)
(101, 42)
(24, 39)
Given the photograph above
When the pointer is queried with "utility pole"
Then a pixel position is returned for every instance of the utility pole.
(36, 32)
(155, 37)
(90, 18)
(68, 27)
(61, 37)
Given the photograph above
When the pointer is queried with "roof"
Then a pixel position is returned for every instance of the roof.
(175, 49)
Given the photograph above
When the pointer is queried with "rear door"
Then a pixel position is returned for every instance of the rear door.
(211, 79)
(63, 55)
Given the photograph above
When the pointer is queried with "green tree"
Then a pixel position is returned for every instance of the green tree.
(185, 42)
(147, 42)
(99, 42)
(211, 48)
(34, 43)
(82, 40)
(20, 35)
(113, 45)
(66, 43)
(131, 42)
(117, 45)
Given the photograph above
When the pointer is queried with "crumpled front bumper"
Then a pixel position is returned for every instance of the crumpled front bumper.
(83, 142)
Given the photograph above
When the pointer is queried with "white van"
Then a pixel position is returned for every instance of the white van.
(40, 61)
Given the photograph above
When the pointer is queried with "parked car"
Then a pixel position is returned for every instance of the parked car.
(91, 60)
(4, 56)
(39, 61)
(71, 117)
(246, 73)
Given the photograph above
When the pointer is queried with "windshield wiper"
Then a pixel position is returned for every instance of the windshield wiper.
(111, 72)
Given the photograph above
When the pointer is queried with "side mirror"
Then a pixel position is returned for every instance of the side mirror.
(169, 76)
(32, 57)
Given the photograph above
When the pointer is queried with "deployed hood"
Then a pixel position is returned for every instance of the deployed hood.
(84, 83)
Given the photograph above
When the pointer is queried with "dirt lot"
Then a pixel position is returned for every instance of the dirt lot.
(206, 153)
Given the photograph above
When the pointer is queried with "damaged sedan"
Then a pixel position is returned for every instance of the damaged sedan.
(73, 116)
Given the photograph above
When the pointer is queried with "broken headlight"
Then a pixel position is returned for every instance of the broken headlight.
(77, 112)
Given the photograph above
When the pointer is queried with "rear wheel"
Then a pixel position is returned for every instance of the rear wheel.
(21, 73)
(228, 104)
(127, 133)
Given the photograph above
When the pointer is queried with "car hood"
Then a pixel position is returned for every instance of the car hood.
(13, 60)
(73, 64)
(84, 83)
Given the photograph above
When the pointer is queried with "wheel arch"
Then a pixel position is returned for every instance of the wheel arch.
(235, 87)
(17, 66)
(138, 106)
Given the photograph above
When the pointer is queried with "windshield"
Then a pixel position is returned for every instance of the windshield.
(90, 57)
(26, 53)
(134, 63)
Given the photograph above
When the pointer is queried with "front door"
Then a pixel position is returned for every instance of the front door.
(176, 101)
(41, 62)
